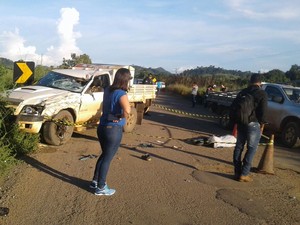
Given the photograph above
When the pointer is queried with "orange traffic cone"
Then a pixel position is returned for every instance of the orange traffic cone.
(234, 132)
(266, 164)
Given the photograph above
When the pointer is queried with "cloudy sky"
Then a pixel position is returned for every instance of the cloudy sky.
(246, 35)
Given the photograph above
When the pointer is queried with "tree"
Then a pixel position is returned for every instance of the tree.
(275, 76)
(294, 72)
(84, 59)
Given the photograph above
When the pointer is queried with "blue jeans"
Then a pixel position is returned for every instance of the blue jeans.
(110, 138)
(246, 133)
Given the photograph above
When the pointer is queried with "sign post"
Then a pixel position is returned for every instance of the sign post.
(23, 72)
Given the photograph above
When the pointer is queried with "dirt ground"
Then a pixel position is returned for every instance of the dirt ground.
(182, 184)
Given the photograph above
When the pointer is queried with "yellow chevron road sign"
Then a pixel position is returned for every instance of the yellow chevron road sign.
(23, 72)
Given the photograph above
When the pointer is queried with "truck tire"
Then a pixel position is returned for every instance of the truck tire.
(130, 121)
(289, 135)
(59, 133)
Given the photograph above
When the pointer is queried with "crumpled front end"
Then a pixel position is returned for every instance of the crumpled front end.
(31, 113)
(29, 118)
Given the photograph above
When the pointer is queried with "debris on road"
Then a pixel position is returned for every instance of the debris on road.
(146, 157)
(146, 145)
(4, 211)
(85, 157)
(197, 141)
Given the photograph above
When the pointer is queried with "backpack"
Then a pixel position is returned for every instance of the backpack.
(242, 108)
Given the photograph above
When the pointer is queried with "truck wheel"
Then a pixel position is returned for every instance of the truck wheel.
(130, 121)
(224, 120)
(59, 133)
(289, 134)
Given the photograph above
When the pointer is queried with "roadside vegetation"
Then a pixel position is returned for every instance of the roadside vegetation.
(13, 142)
(232, 80)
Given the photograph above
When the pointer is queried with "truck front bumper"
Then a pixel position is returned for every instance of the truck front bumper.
(29, 123)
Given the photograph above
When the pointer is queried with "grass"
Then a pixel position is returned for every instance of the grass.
(13, 141)
(184, 90)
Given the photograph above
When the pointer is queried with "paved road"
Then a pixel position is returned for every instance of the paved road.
(182, 184)
(283, 157)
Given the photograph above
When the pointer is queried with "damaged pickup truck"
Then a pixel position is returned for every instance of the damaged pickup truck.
(68, 100)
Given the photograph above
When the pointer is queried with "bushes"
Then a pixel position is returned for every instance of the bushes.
(13, 142)
(184, 90)
(180, 89)
(7, 160)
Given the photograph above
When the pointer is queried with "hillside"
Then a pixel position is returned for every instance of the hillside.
(6, 63)
(156, 71)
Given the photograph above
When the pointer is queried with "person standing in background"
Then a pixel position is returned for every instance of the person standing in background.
(223, 88)
(148, 79)
(194, 94)
(159, 86)
(116, 109)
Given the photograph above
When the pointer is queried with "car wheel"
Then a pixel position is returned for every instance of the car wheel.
(130, 121)
(289, 134)
(60, 129)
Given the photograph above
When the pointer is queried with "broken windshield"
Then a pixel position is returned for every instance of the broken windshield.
(62, 81)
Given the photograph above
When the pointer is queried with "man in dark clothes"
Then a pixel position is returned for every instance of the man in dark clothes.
(251, 132)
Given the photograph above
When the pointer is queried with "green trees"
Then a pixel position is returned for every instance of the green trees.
(67, 63)
(275, 76)
(294, 72)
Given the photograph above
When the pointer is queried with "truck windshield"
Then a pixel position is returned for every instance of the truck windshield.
(293, 94)
(62, 81)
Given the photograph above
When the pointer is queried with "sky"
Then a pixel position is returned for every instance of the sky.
(246, 35)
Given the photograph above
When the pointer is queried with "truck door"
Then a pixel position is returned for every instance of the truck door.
(91, 101)
(274, 110)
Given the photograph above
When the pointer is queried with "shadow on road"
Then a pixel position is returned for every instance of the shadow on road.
(85, 136)
(204, 156)
(83, 184)
(156, 156)
(199, 125)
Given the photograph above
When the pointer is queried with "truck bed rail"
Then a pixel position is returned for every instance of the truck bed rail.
(221, 98)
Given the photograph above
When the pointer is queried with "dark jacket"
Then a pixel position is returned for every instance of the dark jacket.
(260, 101)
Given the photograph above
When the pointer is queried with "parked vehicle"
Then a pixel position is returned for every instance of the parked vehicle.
(283, 111)
(161, 84)
(65, 100)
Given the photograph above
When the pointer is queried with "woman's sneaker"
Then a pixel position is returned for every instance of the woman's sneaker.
(93, 184)
(104, 191)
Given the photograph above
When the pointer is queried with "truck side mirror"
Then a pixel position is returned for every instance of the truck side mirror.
(278, 99)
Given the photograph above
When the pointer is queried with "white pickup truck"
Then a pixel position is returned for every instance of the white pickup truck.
(65, 100)
(283, 111)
